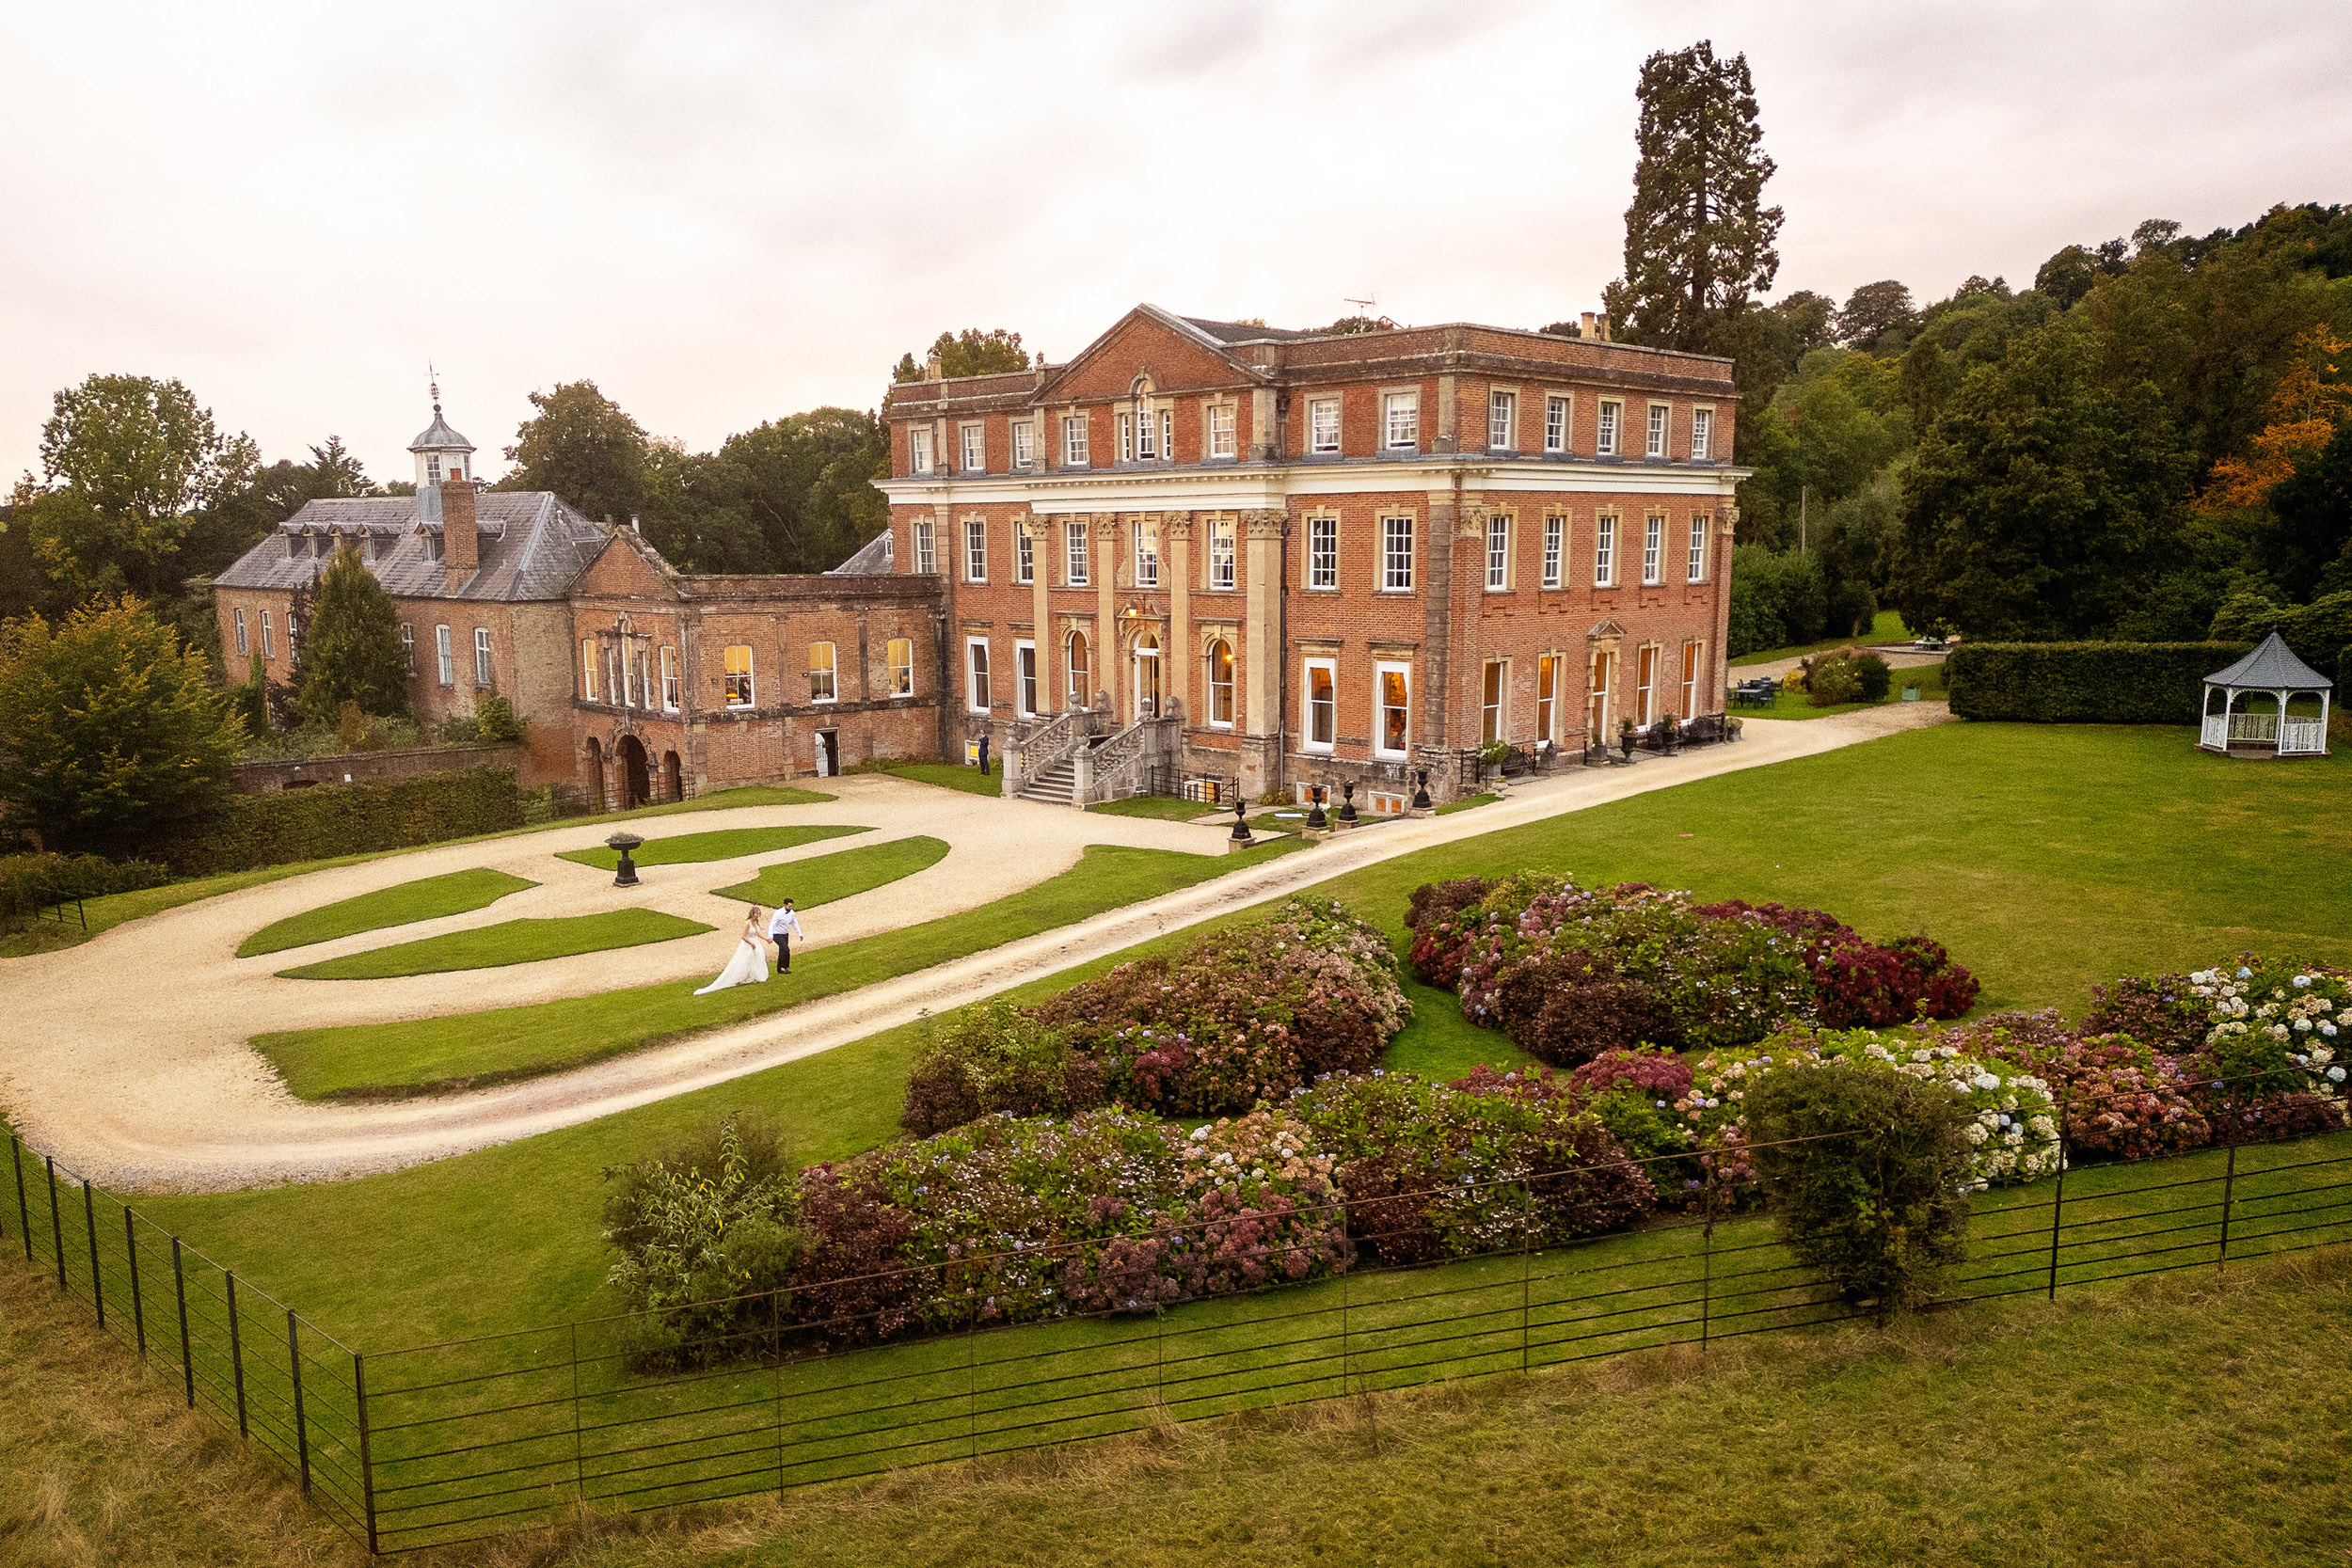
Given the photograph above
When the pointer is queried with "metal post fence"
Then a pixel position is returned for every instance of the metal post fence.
(302, 1432)
(179, 1290)
(367, 1458)
(138, 1305)
(57, 1227)
(2058, 1197)
(236, 1350)
(24, 1210)
(1707, 1265)
(2229, 1193)
(97, 1279)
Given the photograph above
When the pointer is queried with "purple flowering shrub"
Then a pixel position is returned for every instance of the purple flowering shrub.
(1243, 1016)
(1010, 1219)
(1430, 1170)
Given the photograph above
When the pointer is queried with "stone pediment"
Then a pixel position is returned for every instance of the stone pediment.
(1607, 630)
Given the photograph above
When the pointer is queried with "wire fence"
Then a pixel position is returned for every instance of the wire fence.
(443, 1444)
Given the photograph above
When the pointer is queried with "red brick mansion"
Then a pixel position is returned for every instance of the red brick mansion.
(1304, 557)
(1198, 551)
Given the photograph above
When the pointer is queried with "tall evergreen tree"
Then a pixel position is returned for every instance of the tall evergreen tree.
(1698, 243)
(111, 738)
(351, 646)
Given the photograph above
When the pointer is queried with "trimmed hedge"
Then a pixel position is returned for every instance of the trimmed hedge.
(327, 820)
(29, 883)
(2084, 683)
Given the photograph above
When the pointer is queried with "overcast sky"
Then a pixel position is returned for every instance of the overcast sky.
(725, 212)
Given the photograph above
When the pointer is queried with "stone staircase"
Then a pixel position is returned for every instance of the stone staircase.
(1055, 785)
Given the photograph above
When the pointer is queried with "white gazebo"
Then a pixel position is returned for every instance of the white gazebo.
(2263, 703)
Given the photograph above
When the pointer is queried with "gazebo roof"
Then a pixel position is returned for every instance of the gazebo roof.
(2271, 667)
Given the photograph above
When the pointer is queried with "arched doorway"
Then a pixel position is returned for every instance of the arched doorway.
(628, 754)
(1147, 676)
(673, 779)
(596, 776)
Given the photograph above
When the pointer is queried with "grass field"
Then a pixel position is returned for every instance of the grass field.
(1468, 802)
(824, 879)
(510, 942)
(473, 1049)
(1163, 807)
(428, 899)
(114, 908)
(950, 775)
(724, 844)
(2141, 1424)
(1887, 626)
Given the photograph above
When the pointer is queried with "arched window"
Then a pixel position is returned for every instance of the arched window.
(1081, 672)
(1221, 683)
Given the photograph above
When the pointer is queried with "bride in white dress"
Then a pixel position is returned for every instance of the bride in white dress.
(749, 966)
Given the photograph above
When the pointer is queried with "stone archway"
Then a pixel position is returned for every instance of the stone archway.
(636, 781)
(596, 776)
(673, 778)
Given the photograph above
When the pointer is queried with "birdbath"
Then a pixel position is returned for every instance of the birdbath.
(625, 841)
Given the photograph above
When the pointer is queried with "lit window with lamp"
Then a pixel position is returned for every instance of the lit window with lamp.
(901, 654)
(820, 672)
(1221, 684)
(739, 677)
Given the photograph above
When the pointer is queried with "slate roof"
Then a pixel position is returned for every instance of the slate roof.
(438, 433)
(2271, 667)
(531, 546)
(1250, 332)
(873, 559)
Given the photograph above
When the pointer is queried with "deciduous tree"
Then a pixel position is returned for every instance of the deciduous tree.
(970, 352)
(585, 448)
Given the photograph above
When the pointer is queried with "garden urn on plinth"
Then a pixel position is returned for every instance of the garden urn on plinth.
(1421, 790)
(1241, 817)
(1347, 800)
(1315, 815)
(625, 875)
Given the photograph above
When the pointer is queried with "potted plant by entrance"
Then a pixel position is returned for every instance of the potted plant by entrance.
(1625, 737)
(1492, 756)
(1670, 733)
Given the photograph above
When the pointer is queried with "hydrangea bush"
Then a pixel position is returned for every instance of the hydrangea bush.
(2272, 1062)
(2012, 1131)
(1569, 973)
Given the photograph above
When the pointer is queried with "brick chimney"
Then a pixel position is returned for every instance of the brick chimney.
(461, 549)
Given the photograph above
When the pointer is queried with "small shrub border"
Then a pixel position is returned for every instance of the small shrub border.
(32, 882)
(327, 820)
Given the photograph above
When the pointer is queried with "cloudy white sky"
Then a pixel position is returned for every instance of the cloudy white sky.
(723, 213)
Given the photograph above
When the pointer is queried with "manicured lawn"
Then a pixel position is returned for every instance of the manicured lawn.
(2048, 858)
(950, 775)
(1165, 808)
(1887, 627)
(725, 845)
(421, 1055)
(427, 899)
(824, 879)
(114, 908)
(1466, 803)
(512, 941)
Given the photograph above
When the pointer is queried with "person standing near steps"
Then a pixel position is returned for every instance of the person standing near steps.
(782, 928)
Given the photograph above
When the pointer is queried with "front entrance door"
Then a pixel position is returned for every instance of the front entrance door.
(1147, 676)
(828, 753)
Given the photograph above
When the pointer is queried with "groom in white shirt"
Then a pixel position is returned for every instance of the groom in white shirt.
(781, 928)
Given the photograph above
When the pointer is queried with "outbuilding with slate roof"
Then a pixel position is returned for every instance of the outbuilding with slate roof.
(2269, 703)
(480, 582)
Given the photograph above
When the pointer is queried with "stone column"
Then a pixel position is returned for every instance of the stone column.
(1104, 567)
(1433, 679)
(1719, 575)
(1263, 672)
(1041, 610)
(1176, 535)
(950, 650)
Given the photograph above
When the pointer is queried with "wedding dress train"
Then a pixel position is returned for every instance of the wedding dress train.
(748, 967)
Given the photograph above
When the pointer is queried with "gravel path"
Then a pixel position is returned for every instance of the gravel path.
(125, 1057)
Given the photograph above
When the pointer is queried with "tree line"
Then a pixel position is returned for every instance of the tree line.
(2149, 442)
